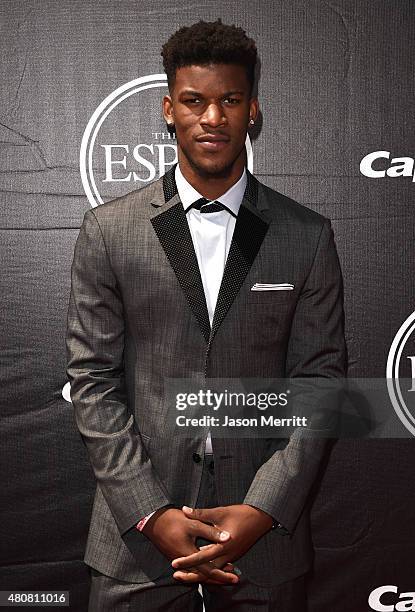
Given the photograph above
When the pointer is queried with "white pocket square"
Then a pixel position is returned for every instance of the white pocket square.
(272, 287)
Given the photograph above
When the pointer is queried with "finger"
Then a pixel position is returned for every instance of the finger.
(207, 515)
(235, 571)
(212, 571)
(209, 553)
(228, 567)
(209, 532)
(195, 575)
(200, 578)
(214, 578)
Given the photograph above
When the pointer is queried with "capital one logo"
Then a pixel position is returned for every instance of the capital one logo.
(374, 165)
(406, 601)
(400, 373)
(120, 159)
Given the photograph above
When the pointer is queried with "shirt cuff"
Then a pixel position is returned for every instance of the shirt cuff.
(275, 524)
(140, 525)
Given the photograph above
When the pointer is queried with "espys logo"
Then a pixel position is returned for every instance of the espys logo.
(143, 149)
(401, 367)
(377, 598)
(399, 166)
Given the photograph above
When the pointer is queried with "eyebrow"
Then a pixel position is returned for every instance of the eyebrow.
(191, 92)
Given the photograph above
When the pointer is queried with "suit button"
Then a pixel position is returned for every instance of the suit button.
(197, 458)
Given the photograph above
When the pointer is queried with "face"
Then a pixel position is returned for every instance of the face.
(211, 107)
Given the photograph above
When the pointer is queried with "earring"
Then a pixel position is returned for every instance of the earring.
(251, 121)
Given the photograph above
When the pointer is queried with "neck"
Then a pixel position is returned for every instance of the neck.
(211, 186)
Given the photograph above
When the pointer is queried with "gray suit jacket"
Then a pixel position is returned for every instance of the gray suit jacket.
(138, 314)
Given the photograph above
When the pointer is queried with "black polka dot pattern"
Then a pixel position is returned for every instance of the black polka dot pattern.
(169, 184)
(247, 238)
(173, 232)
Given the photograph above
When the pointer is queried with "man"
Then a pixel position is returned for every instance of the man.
(162, 288)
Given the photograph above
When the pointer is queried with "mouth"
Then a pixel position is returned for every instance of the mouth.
(212, 142)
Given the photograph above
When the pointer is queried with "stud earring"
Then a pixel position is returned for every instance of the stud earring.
(251, 121)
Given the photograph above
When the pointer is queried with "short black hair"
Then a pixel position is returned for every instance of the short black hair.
(205, 43)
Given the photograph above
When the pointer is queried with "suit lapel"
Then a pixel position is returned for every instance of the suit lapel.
(174, 235)
(250, 229)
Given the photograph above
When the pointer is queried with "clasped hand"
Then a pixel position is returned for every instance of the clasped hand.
(231, 529)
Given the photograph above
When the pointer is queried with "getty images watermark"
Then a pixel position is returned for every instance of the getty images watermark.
(260, 408)
(225, 401)
(272, 408)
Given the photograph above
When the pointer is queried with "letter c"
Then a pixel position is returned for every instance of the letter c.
(376, 594)
(366, 164)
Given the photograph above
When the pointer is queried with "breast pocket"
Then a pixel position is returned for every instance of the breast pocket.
(267, 315)
(271, 299)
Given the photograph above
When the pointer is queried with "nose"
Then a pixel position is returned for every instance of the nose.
(213, 116)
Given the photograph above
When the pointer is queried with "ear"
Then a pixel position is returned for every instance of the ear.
(168, 110)
(253, 108)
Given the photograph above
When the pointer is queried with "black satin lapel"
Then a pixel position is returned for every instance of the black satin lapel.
(173, 232)
(247, 238)
(169, 184)
(251, 189)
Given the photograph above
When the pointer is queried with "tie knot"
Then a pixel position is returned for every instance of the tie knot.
(205, 206)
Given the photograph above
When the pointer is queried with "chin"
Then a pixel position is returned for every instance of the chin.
(219, 168)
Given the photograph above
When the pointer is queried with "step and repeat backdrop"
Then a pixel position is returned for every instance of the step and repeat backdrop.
(80, 123)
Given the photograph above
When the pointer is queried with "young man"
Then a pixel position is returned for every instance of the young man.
(162, 288)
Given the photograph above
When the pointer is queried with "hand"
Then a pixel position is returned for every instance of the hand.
(175, 536)
(245, 524)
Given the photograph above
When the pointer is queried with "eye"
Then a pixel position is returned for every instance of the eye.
(192, 100)
(231, 101)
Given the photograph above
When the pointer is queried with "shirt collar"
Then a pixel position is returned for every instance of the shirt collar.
(232, 198)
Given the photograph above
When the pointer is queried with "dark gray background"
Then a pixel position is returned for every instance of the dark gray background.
(337, 82)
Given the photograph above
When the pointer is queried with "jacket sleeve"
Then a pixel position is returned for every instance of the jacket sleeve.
(316, 349)
(95, 347)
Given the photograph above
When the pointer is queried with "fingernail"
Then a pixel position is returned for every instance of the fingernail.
(224, 535)
(187, 509)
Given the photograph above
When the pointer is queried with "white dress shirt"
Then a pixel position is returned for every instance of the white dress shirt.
(212, 236)
(211, 233)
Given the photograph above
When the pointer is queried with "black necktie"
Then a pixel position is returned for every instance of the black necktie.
(205, 206)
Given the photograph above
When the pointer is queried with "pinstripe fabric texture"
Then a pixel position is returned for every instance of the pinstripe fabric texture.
(137, 315)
